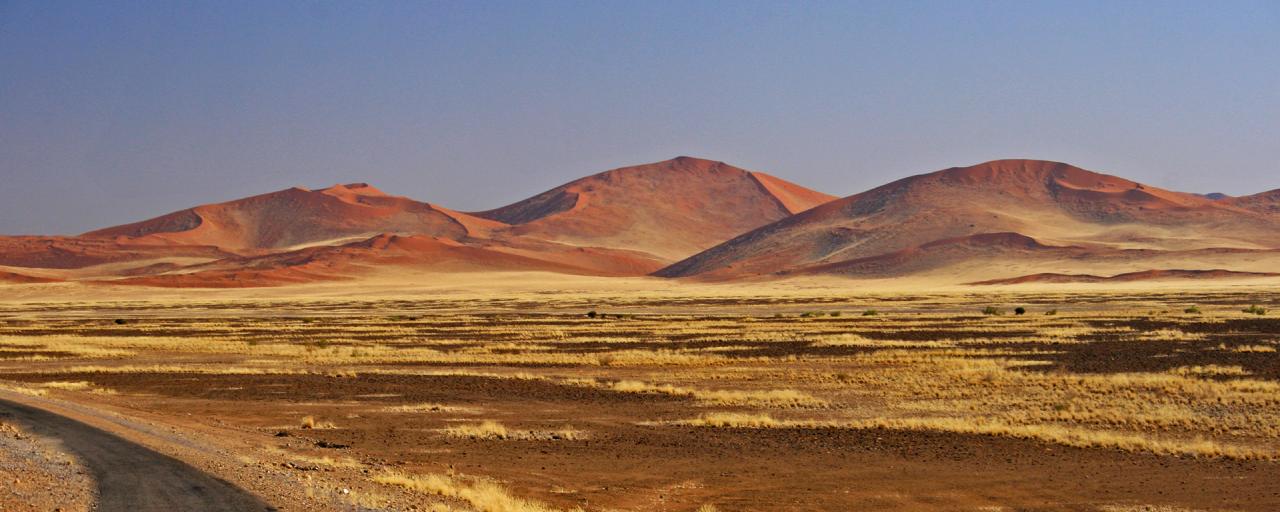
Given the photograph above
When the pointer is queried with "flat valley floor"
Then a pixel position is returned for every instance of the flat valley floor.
(1158, 400)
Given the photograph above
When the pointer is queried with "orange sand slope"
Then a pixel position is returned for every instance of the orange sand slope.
(669, 209)
(299, 217)
(1146, 275)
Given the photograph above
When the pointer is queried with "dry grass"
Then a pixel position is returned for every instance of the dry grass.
(733, 420)
(20, 389)
(425, 408)
(1067, 436)
(482, 430)
(782, 398)
(68, 386)
(310, 422)
(482, 495)
(322, 461)
(84, 386)
(1257, 349)
(1210, 370)
(492, 430)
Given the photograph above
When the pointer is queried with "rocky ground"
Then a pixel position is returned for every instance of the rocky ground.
(38, 476)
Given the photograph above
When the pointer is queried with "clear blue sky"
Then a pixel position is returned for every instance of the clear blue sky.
(112, 112)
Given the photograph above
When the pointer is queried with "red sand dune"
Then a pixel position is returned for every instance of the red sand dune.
(1145, 275)
(1047, 201)
(386, 251)
(57, 252)
(16, 278)
(940, 253)
(297, 216)
(1266, 203)
(995, 253)
(670, 209)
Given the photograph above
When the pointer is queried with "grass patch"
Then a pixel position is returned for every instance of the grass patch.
(482, 495)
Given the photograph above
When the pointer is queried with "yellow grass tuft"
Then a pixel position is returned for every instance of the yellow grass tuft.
(310, 422)
(78, 386)
(1210, 370)
(1254, 348)
(484, 430)
(68, 386)
(761, 398)
(422, 408)
(483, 496)
(23, 389)
(493, 430)
(734, 420)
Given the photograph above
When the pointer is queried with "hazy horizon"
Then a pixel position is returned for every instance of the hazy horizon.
(115, 113)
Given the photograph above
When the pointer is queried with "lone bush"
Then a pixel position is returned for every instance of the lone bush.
(1255, 310)
(1020, 310)
(1193, 310)
(592, 314)
(992, 310)
(870, 312)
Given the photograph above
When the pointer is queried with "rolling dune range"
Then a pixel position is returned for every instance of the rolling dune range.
(1005, 222)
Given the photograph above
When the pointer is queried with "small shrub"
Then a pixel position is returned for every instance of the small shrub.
(870, 312)
(992, 311)
(807, 314)
(1193, 310)
(1020, 310)
(835, 313)
(1051, 312)
(309, 423)
(487, 429)
(1255, 310)
(592, 314)
(120, 321)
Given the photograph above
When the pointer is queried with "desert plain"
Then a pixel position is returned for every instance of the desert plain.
(567, 394)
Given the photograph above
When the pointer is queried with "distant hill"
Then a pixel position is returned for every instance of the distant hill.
(993, 208)
(671, 209)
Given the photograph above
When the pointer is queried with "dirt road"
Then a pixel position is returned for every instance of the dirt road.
(131, 477)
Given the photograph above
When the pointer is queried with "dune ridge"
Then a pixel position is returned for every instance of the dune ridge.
(692, 218)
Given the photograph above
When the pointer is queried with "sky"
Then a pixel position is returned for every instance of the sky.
(113, 112)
